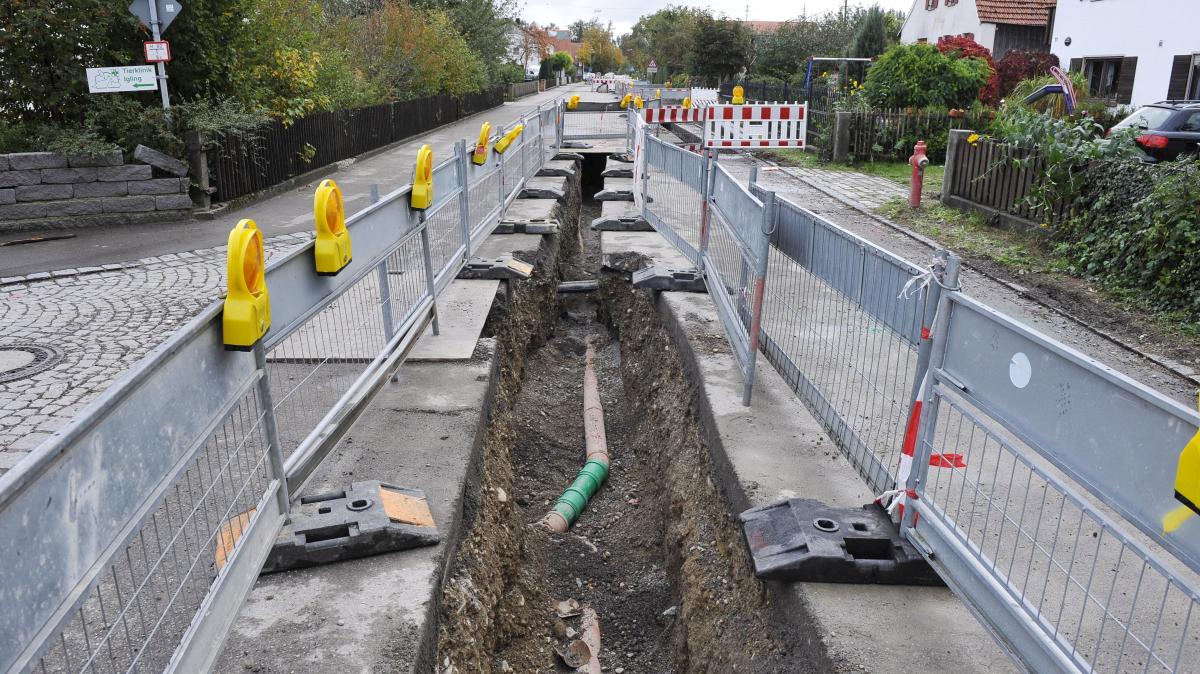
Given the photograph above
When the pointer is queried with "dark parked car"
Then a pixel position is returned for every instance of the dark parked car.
(1168, 129)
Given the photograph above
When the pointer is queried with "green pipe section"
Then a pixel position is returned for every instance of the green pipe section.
(573, 500)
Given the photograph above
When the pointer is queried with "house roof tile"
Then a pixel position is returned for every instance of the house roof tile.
(1019, 12)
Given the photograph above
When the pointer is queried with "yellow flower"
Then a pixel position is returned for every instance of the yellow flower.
(973, 138)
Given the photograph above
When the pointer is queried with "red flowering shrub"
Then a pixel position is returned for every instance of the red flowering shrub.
(1022, 65)
(960, 46)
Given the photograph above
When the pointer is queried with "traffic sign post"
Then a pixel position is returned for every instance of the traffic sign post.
(158, 14)
(121, 78)
(157, 52)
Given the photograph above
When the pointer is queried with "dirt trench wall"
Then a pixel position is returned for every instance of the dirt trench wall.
(481, 600)
(725, 623)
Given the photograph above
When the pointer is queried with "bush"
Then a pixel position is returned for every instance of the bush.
(1022, 65)
(919, 75)
(964, 47)
(1069, 147)
(1137, 229)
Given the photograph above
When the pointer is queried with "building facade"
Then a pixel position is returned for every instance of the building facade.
(1132, 52)
(1000, 25)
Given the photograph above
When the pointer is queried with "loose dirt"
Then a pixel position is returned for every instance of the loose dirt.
(654, 553)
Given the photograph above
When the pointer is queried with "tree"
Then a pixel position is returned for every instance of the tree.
(870, 38)
(719, 47)
(484, 24)
(918, 75)
(534, 43)
(578, 28)
(785, 54)
(1022, 65)
(964, 47)
(657, 37)
(598, 52)
(45, 45)
(561, 61)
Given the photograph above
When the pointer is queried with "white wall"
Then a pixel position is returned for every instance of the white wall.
(955, 20)
(1129, 28)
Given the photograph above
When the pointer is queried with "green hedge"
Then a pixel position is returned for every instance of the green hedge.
(1137, 229)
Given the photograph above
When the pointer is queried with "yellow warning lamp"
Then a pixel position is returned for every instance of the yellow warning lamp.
(625, 101)
(422, 189)
(332, 247)
(687, 102)
(739, 95)
(667, 84)
(503, 143)
(481, 146)
(657, 94)
(573, 103)
(638, 102)
(247, 314)
(1187, 478)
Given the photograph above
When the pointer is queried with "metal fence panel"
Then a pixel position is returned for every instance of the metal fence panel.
(841, 333)
(142, 524)
(578, 125)
(674, 184)
(1082, 416)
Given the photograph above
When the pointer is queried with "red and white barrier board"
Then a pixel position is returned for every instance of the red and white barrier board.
(673, 113)
(756, 125)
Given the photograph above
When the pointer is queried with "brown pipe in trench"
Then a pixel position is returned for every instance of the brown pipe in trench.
(571, 503)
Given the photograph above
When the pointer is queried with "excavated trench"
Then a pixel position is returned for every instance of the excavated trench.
(654, 553)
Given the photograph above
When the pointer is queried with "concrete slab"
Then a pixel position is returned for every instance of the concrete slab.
(620, 216)
(774, 450)
(462, 310)
(545, 187)
(614, 168)
(616, 189)
(377, 613)
(626, 251)
(533, 210)
(559, 167)
(507, 244)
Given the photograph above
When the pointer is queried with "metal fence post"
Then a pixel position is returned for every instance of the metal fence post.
(710, 169)
(427, 254)
(464, 198)
(524, 162)
(500, 172)
(274, 446)
(761, 253)
(559, 122)
(922, 422)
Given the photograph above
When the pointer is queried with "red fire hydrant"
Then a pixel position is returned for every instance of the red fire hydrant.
(918, 161)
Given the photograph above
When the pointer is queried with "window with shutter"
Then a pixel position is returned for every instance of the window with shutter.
(1076, 65)
(1177, 86)
(1125, 79)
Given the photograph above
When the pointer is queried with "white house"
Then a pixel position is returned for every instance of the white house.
(1132, 51)
(999, 25)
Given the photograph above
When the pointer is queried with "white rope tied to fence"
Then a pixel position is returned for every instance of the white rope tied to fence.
(934, 273)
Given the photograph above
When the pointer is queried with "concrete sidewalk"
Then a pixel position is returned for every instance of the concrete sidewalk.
(286, 213)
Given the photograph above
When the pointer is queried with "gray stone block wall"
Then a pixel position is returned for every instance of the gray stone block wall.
(44, 190)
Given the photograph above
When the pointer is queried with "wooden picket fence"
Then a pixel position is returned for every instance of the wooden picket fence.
(998, 177)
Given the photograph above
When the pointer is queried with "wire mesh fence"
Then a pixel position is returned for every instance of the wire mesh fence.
(589, 124)
(1025, 496)
(150, 515)
(674, 187)
(839, 328)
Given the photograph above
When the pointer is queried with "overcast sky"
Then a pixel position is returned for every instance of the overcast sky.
(624, 13)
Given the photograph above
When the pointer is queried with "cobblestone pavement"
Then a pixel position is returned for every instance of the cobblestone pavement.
(862, 190)
(102, 319)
